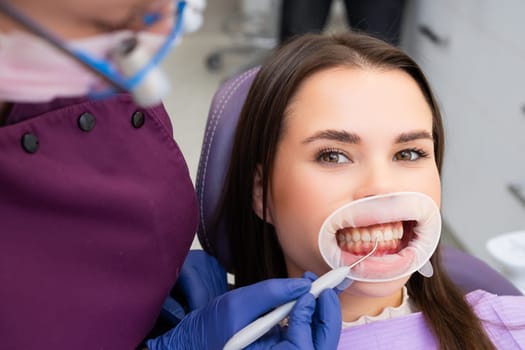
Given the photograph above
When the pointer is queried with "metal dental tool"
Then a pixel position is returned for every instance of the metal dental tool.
(332, 279)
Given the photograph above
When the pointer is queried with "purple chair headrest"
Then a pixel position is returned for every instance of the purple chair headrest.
(215, 157)
(468, 272)
(471, 273)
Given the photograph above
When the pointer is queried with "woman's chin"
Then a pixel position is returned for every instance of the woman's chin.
(376, 289)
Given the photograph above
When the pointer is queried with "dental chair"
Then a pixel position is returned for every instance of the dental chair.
(467, 271)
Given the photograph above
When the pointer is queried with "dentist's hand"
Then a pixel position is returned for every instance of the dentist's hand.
(312, 325)
(201, 279)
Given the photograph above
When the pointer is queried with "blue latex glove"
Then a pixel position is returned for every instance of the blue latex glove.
(311, 325)
(201, 279)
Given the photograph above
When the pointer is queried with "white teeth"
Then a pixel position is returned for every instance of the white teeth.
(380, 233)
(399, 231)
(388, 234)
(377, 235)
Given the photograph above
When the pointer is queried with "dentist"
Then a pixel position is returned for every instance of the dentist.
(97, 208)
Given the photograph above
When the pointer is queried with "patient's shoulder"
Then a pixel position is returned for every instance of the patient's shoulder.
(506, 308)
(503, 318)
(480, 297)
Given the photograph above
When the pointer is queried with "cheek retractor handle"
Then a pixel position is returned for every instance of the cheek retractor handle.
(336, 278)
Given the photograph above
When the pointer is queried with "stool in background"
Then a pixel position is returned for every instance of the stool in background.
(254, 28)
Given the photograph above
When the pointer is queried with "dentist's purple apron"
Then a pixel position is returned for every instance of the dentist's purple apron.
(504, 324)
(97, 213)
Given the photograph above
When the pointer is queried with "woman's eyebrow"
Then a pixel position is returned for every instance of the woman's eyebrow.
(334, 135)
(414, 135)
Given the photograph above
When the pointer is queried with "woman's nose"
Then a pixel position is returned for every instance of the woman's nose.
(375, 180)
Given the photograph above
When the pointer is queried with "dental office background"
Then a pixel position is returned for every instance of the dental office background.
(473, 53)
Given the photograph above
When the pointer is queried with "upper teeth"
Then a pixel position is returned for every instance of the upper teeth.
(383, 232)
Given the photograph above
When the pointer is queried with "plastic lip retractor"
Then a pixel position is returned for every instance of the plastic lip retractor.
(409, 221)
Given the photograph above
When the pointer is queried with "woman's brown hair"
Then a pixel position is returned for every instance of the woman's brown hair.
(256, 252)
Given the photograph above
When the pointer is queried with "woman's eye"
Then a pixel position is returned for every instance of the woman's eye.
(333, 157)
(409, 155)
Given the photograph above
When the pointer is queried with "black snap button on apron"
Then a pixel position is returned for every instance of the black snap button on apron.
(138, 118)
(86, 122)
(30, 143)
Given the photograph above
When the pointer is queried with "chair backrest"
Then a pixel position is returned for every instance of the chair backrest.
(215, 157)
(469, 272)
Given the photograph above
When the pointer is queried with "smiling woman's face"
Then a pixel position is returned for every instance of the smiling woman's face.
(348, 133)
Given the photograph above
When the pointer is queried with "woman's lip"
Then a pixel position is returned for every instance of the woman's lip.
(380, 267)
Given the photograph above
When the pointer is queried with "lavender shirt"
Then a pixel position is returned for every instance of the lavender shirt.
(504, 318)
(94, 224)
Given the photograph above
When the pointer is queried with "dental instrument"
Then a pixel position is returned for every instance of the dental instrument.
(336, 278)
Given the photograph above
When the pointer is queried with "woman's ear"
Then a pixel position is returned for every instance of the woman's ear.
(258, 194)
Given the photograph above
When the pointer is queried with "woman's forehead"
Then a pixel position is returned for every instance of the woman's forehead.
(356, 96)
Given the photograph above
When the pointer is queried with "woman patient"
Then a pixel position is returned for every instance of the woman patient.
(330, 120)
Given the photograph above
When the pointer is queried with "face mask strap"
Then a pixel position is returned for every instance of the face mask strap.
(161, 53)
(101, 67)
(131, 83)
